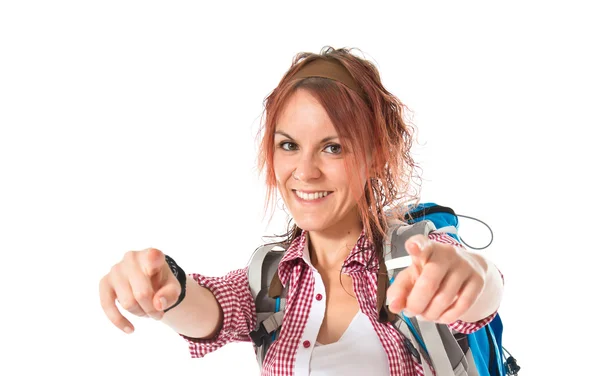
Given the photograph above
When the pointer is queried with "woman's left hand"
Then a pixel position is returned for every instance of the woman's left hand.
(440, 285)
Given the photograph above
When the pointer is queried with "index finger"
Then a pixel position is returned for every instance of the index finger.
(107, 301)
(420, 248)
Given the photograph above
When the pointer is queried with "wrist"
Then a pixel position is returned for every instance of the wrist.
(490, 296)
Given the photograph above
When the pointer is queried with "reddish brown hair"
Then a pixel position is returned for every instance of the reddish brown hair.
(372, 125)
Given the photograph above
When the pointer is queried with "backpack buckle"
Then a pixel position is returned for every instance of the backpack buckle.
(259, 335)
(412, 349)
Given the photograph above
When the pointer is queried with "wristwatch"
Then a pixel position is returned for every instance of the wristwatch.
(181, 277)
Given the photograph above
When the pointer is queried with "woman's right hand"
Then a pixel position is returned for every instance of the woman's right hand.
(142, 283)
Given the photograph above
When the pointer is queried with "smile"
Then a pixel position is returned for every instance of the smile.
(312, 196)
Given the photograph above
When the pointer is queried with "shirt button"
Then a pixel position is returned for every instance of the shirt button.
(319, 297)
(306, 344)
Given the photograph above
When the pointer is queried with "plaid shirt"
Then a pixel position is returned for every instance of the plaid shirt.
(239, 315)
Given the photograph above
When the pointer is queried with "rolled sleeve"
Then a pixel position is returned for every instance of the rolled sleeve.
(232, 292)
(470, 327)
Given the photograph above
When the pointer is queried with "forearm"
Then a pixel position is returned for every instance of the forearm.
(489, 300)
(198, 315)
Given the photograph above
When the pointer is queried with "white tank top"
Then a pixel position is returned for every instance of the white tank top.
(357, 352)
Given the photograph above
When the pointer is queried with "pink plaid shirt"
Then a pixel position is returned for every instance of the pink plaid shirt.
(239, 316)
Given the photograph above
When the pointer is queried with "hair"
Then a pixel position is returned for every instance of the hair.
(371, 125)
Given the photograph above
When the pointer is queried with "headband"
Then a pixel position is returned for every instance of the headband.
(331, 69)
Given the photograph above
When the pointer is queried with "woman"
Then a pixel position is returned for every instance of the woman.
(336, 148)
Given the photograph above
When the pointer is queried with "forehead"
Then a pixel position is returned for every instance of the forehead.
(303, 116)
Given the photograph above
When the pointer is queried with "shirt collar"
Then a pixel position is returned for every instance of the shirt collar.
(357, 260)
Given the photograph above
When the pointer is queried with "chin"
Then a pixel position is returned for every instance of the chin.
(311, 224)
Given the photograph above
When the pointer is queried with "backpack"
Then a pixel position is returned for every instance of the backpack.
(479, 353)
(490, 357)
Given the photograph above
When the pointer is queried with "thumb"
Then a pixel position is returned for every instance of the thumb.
(419, 248)
(164, 282)
(168, 294)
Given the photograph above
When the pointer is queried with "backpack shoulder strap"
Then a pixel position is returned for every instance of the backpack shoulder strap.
(442, 349)
(257, 263)
(269, 296)
(395, 255)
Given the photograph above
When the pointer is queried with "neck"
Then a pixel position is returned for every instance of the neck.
(329, 248)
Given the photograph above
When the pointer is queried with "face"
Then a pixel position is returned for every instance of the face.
(309, 167)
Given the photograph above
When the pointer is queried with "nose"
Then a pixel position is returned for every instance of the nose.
(307, 169)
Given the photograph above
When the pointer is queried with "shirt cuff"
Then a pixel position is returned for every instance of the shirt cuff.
(233, 295)
(470, 327)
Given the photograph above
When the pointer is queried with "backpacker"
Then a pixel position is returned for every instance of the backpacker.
(451, 353)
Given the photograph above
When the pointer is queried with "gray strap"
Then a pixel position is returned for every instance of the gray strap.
(427, 370)
(471, 367)
(273, 322)
(461, 371)
(259, 263)
(255, 268)
(400, 234)
(390, 252)
(425, 360)
(453, 350)
(262, 316)
(436, 349)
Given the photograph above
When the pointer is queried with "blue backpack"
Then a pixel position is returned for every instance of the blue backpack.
(486, 344)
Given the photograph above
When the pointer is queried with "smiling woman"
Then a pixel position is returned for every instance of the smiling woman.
(338, 100)
(336, 148)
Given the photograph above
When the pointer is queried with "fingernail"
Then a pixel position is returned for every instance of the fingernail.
(419, 244)
(408, 313)
(127, 330)
(163, 303)
(391, 306)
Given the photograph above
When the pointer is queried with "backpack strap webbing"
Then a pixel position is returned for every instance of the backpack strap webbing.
(420, 213)
(275, 287)
(255, 267)
(385, 315)
(446, 355)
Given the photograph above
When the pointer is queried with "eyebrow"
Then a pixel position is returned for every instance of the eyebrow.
(291, 138)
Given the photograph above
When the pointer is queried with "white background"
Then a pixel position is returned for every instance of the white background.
(125, 125)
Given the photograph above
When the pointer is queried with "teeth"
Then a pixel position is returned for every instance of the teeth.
(311, 196)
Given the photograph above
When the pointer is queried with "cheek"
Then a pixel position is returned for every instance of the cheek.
(352, 184)
(277, 166)
(337, 173)
(281, 169)
(279, 175)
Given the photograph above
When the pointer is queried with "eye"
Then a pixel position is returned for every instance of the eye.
(288, 146)
(334, 149)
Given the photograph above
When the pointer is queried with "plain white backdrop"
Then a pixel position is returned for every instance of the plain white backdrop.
(126, 125)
